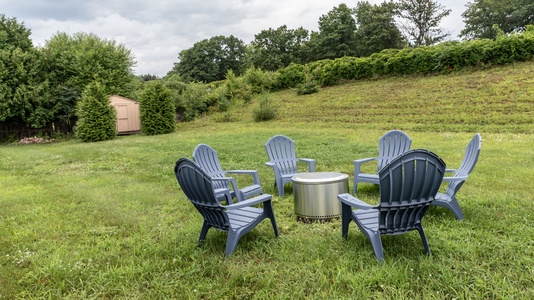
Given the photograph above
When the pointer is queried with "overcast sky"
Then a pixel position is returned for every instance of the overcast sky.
(157, 30)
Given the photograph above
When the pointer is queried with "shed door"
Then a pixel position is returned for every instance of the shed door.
(122, 118)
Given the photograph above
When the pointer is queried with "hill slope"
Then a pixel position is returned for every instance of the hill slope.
(497, 99)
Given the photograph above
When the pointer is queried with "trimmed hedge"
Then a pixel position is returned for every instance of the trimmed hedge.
(442, 58)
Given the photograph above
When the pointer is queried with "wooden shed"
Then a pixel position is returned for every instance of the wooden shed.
(128, 115)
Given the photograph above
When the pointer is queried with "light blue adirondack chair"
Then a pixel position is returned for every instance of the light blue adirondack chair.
(390, 145)
(207, 158)
(283, 160)
(237, 219)
(448, 199)
(408, 184)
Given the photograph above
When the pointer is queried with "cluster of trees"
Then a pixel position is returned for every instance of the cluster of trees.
(45, 84)
(343, 31)
(40, 85)
(508, 15)
(357, 32)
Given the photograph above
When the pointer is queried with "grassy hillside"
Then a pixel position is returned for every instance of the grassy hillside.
(108, 220)
(499, 99)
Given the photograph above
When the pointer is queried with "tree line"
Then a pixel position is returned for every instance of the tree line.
(344, 31)
(43, 84)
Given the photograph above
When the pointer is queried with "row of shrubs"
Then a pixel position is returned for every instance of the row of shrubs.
(194, 99)
(442, 58)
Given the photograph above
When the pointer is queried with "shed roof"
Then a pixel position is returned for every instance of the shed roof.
(119, 99)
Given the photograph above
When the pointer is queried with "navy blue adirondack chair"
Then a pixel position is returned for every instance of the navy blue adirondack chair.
(207, 158)
(408, 185)
(391, 145)
(283, 160)
(237, 219)
(448, 199)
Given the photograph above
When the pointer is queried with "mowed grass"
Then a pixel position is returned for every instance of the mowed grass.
(108, 220)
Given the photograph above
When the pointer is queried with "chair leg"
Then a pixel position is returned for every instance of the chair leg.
(355, 188)
(203, 233)
(280, 186)
(451, 204)
(268, 211)
(456, 209)
(423, 238)
(346, 212)
(377, 246)
(231, 243)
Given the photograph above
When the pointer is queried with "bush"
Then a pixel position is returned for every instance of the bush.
(192, 101)
(258, 80)
(266, 111)
(310, 86)
(218, 96)
(237, 88)
(289, 77)
(96, 117)
(157, 109)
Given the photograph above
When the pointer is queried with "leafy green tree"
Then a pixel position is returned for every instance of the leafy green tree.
(72, 62)
(336, 36)
(14, 34)
(24, 91)
(273, 49)
(376, 28)
(157, 109)
(508, 15)
(422, 19)
(210, 59)
(147, 77)
(96, 117)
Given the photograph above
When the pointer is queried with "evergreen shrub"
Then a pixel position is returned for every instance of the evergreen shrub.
(96, 117)
(157, 109)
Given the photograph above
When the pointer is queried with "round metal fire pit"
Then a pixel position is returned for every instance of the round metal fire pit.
(316, 193)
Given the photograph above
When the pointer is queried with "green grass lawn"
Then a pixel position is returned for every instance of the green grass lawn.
(108, 219)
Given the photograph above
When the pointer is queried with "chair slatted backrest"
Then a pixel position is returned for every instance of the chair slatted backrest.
(197, 186)
(208, 159)
(408, 184)
(281, 151)
(472, 151)
(391, 145)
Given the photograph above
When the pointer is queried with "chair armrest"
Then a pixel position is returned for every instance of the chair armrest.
(254, 174)
(358, 162)
(249, 202)
(226, 179)
(348, 199)
(450, 170)
(224, 192)
(270, 164)
(233, 187)
(275, 169)
(455, 178)
(311, 163)
(362, 160)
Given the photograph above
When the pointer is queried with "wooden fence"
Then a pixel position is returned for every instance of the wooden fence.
(14, 131)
